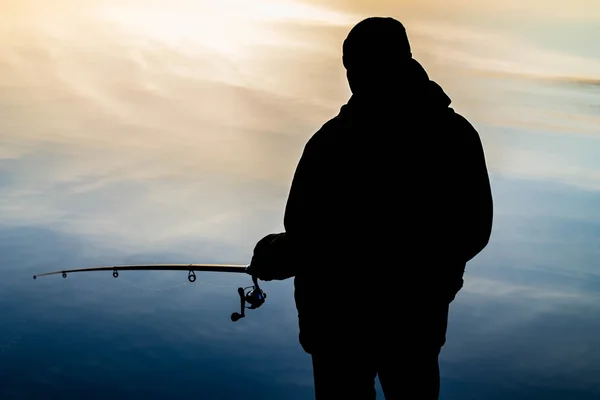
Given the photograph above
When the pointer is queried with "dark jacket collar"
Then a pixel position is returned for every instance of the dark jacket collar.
(418, 94)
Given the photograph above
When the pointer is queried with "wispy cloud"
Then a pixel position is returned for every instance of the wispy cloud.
(194, 127)
(531, 164)
(540, 298)
(523, 334)
(495, 51)
(116, 133)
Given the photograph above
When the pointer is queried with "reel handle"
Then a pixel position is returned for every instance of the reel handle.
(236, 316)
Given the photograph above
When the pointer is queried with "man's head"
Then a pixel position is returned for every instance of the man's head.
(375, 53)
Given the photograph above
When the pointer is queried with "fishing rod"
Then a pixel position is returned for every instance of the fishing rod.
(251, 297)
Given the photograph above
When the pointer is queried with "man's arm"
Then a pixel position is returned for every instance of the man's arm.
(477, 207)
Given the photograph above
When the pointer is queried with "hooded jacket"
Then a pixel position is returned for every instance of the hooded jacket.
(390, 199)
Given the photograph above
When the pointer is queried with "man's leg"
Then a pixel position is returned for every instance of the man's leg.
(340, 375)
(413, 376)
(408, 361)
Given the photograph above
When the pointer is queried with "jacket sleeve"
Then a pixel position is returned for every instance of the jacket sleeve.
(476, 217)
(302, 207)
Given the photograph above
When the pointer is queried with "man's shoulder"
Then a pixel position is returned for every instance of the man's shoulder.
(462, 134)
(461, 124)
(327, 134)
(458, 119)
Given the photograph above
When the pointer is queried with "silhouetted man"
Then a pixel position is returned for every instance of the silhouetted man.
(390, 200)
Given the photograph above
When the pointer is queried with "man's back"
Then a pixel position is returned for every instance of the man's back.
(379, 200)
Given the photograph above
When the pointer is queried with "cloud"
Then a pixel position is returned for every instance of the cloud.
(530, 164)
(488, 10)
(540, 298)
(503, 332)
(496, 51)
(146, 143)
(118, 132)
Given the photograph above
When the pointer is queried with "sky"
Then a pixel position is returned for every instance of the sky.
(171, 129)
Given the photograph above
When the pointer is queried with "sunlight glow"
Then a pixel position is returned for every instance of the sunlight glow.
(224, 26)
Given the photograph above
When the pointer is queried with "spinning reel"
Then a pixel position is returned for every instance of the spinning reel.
(253, 295)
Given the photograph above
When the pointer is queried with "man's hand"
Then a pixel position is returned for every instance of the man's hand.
(270, 258)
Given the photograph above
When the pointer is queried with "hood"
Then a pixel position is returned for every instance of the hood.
(416, 92)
